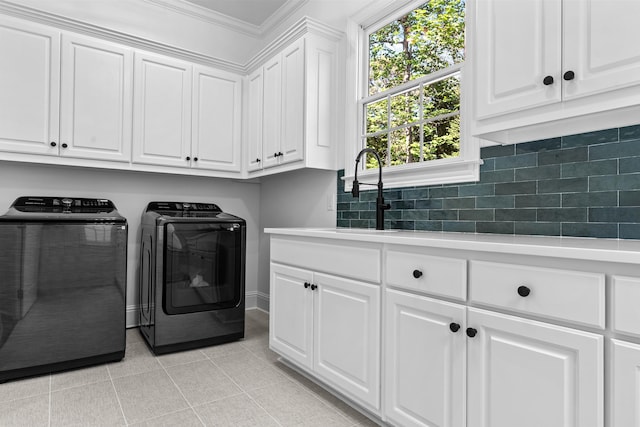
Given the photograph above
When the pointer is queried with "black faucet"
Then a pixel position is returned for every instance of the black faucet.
(381, 206)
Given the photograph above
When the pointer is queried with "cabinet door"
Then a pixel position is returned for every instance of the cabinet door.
(291, 318)
(530, 374)
(518, 44)
(425, 361)
(29, 87)
(272, 113)
(95, 99)
(598, 46)
(347, 337)
(624, 396)
(293, 103)
(254, 127)
(216, 112)
(162, 111)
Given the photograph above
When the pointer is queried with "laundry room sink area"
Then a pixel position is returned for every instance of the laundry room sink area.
(465, 292)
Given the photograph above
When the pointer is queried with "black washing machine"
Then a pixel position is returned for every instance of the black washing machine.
(192, 273)
(63, 265)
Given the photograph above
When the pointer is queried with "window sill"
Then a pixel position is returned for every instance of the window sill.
(435, 173)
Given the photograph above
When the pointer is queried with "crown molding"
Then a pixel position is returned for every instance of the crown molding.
(64, 23)
(256, 31)
(304, 26)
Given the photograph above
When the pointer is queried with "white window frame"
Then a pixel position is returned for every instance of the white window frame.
(463, 168)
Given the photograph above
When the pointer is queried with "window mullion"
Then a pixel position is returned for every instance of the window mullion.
(389, 130)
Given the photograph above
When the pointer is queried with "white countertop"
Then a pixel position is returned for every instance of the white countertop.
(608, 250)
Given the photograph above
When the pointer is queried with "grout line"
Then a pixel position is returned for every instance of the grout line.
(179, 391)
(113, 385)
(50, 398)
(242, 389)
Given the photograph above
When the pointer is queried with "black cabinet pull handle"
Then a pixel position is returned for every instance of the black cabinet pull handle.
(306, 285)
(64, 145)
(53, 144)
(417, 274)
(569, 75)
(523, 291)
(472, 332)
(275, 154)
(314, 287)
(454, 327)
(548, 80)
(280, 153)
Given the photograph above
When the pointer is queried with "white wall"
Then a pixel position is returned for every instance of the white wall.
(130, 192)
(293, 199)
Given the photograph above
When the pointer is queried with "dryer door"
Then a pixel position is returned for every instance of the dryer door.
(203, 266)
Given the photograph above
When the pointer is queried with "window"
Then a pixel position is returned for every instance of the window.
(410, 104)
(412, 109)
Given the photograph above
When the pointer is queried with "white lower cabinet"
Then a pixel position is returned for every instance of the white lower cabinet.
(425, 361)
(330, 326)
(624, 396)
(530, 374)
(460, 338)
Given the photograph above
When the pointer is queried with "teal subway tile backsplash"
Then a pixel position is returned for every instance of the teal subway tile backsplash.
(585, 185)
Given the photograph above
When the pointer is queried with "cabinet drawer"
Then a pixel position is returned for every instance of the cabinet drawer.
(427, 274)
(357, 261)
(626, 294)
(561, 294)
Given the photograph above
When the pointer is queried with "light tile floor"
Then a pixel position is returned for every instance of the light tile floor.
(235, 384)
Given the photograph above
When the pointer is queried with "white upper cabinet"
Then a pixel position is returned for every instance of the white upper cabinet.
(255, 85)
(519, 46)
(66, 95)
(216, 134)
(292, 108)
(546, 68)
(186, 115)
(29, 87)
(95, 104)
(162, 111)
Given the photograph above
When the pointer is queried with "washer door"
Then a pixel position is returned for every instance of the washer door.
(203, 267)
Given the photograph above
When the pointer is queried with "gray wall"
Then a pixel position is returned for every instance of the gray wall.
(131, 191)
(293, 199)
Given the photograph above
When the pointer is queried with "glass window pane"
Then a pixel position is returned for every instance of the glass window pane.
(376, 116)
(442, 139)
(379, 144)
(427, 39)
(442, 97)
(405, 145)
(405, 108)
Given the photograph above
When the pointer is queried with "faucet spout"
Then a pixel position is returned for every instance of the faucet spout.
(381, 206)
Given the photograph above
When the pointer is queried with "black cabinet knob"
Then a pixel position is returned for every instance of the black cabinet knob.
(454, 327)
(275, 154)
(548, 81)
(188, 158)
(280, 153)
(569, 75)
(314, 287)
(472, 332)
(417, 274)
(64, 145)
(306, 285)
(195, 159)
(257, 160)
(523, 291)
(53, 144)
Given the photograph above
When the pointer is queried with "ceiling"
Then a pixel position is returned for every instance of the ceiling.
(254, 12)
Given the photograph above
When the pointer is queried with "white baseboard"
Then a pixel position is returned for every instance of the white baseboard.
(252, 300)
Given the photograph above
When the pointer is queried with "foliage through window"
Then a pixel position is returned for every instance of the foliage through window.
(412, 108)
